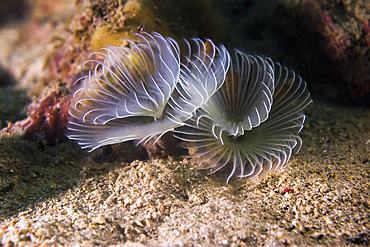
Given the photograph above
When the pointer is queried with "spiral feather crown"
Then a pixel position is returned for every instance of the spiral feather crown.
(239, 112)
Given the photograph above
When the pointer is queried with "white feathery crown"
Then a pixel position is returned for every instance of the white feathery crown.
(243, 112)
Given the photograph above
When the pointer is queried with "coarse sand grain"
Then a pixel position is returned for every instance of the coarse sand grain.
(61, 196)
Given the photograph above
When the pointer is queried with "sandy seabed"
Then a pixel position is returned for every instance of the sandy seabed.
(62, 196)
